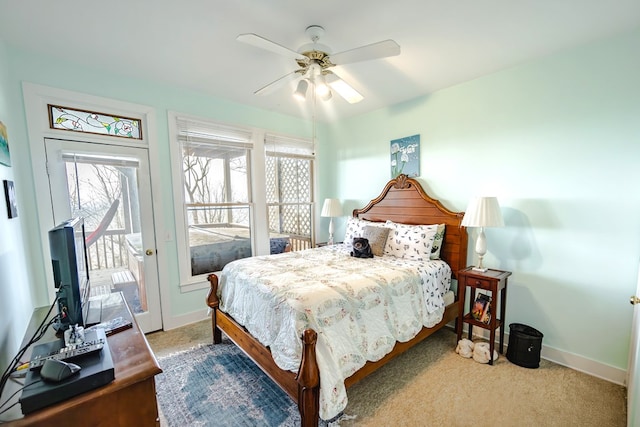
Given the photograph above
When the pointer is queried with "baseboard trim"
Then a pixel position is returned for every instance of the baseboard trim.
(583, 364)
(570, 360)
(186, 319)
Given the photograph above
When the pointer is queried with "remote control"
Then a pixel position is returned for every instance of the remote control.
(68, 353)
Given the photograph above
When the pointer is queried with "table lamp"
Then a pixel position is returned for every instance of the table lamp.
(482, 212)
(331, 209)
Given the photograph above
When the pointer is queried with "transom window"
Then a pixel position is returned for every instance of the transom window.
(93, 122)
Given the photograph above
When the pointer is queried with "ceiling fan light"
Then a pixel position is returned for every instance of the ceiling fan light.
(322, 89)
(301, 91)
(347, 92)
(327, 96)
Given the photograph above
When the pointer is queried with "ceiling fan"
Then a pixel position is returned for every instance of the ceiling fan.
(315, 61)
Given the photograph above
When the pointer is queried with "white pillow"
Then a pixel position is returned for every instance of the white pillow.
(412, 242)
(355, 228)
(437, 242)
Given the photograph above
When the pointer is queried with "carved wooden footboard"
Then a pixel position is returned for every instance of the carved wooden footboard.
(402, 200)
(303, 387)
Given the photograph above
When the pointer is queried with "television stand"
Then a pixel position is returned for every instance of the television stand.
(130, 399)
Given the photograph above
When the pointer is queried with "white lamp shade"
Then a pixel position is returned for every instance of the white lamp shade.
(483, 212)
(301, 90)
(331, 208)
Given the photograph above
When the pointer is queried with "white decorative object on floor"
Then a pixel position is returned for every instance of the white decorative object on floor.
(465, 348)
(481, 353)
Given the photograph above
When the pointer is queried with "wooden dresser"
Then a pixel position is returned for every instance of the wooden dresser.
(127, 401)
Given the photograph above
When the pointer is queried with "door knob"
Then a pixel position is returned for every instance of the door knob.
(149, 252)
(634, 300)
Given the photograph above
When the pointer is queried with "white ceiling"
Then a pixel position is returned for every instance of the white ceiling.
(191, 43)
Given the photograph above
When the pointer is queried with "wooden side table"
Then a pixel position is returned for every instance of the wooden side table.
(494, 281)
(130, 399)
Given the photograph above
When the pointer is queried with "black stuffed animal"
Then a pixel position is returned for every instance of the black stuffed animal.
(361, 248)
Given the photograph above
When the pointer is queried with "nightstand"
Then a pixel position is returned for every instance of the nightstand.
(494, 281)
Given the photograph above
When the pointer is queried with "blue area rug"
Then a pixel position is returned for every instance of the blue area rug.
(218, 385)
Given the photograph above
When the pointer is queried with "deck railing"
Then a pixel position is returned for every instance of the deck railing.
(109, 251)
(299, 243)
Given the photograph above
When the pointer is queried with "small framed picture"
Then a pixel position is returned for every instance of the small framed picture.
(4, 146)
(405, 156)
(10, 196)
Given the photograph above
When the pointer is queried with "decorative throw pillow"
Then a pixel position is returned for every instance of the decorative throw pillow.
(361, 248)
(355, 228)
(412, 242)
(377, 237)
(437, 242)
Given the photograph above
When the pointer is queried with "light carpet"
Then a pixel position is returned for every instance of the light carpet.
(431, 385)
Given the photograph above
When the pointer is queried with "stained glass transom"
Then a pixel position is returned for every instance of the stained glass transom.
(94, 122)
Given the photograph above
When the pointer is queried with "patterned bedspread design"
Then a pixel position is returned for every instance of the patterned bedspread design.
(359, 307)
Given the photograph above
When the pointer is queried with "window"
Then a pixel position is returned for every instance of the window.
(215, 194)
(289, 169)
(93, 122)
(227, 212)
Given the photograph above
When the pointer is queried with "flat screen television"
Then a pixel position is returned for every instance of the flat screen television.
(70, 272)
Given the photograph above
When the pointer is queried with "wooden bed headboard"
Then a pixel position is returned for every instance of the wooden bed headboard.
(404, 201)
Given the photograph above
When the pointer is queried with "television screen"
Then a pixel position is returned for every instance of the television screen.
(70, 271)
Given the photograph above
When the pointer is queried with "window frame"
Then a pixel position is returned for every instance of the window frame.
(280, 147)
(258, 207)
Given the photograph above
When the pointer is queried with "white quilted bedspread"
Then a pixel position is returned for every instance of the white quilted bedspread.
(359, 307)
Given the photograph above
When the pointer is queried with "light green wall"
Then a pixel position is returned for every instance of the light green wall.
(49, 71)
(16, 294)
(558, 141)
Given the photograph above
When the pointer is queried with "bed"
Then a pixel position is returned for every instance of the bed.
(402, 201)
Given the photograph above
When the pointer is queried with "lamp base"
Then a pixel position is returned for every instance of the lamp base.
(480, 250)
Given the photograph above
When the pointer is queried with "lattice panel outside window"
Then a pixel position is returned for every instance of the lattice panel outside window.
(274, 218)
(272, 184)
(289, 188)
(294, 181)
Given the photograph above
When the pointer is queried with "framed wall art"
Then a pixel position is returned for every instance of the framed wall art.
(10, 196)
(4, 146)
(405, 156)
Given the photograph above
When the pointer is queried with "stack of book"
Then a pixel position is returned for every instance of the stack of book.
(482, 309)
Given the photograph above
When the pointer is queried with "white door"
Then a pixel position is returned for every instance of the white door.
(110, 187)
(633, 394)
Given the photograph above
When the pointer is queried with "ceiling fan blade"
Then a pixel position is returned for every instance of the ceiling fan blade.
(381, 49)
(343, 89)
(261, 42)
(276, 84)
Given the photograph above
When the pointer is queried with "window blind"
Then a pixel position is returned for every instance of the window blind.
(278, 145)
(196, 133)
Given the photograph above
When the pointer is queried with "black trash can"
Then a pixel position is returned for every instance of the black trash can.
(525, 344)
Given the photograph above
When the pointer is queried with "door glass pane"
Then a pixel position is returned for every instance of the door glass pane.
(104, 191)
